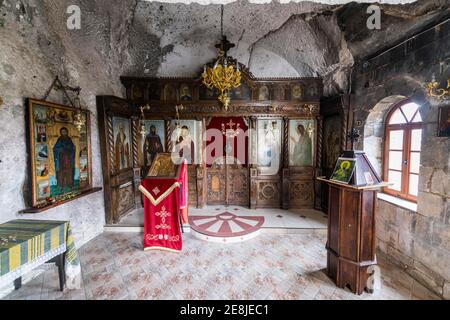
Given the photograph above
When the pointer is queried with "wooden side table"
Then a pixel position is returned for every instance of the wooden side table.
(27, 244)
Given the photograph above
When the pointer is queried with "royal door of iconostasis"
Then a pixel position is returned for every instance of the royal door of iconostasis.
(227, 161)
(269, 140)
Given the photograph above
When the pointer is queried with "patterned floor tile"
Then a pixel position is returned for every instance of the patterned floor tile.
(272, 266)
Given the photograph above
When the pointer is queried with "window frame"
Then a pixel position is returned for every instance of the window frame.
(405, 171)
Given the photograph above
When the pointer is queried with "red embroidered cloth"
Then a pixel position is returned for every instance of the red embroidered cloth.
(162, 228)
(184, 193)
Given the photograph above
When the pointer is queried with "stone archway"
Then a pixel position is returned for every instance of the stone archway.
(374, 130)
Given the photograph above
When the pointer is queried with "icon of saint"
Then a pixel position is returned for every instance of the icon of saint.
(185, 145)
(302, 155)
(152, 146)
(64, 158)
(122, 149)
(185, 93)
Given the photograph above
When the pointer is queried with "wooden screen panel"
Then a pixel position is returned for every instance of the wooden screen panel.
(348, 239)
(238, 185)
(192, 185)
(367, 226)
(216, 185)
(333, 219)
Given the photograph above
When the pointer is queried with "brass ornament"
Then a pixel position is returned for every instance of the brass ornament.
(433, 89)
(225, 74)
(142, 130)
(224, 77)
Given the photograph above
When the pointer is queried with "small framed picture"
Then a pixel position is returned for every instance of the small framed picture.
(343, 171)
(444, 122)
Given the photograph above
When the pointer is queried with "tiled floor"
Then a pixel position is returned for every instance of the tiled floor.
(273, 218)
(271, 266)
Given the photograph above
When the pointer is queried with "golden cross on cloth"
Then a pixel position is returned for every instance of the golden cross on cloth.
(231, 124)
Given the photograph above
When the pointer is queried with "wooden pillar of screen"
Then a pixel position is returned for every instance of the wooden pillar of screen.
(285, 173)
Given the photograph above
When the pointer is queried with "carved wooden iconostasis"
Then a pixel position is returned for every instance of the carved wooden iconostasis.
(282, 116)
(334, 117)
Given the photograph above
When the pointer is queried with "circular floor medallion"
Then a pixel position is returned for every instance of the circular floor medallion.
(226, 227)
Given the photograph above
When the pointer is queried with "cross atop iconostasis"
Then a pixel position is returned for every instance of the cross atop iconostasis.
(230, 133)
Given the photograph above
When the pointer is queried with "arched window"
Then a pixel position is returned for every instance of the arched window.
(402, 150)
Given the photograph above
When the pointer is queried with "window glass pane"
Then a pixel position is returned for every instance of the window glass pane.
(397, 117)
(396, 139)
(395, 177)
(395, 160)
(416, 139)
(409, 110)
(414, 162)
(417, 117)
(413, 184)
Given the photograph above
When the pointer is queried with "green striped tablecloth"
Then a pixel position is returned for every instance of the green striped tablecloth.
(26, 244)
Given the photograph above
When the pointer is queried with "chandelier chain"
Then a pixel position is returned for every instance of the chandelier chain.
(221, 20)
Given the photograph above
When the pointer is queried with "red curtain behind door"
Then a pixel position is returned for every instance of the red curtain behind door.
(216, 123)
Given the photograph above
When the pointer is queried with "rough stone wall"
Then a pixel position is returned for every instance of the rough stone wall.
(36, 46)
(420, 241)
(116, 38)
(133, 37)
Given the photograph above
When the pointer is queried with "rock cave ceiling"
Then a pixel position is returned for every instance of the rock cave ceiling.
(149, 38)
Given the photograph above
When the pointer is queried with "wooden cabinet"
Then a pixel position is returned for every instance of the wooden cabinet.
(351, 236)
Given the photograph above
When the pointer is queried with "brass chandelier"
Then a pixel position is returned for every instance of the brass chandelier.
(224, 75)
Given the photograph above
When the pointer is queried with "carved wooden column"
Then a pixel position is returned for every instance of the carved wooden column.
(201, 171)
(253, 166)
(318, 169)
(169, 144)
(136, 166)
(285, 175)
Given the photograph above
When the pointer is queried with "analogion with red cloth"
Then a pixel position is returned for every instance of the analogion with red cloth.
(162, 228)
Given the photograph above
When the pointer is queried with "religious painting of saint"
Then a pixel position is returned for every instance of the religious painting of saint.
(296, 92)
(269, 146)
(343, 170)
(63, 116)
(154, 141)
(185, 92)
(186, 138)
(263, 93)
(154, 91)
(60, 153)
(122, 134)
(43, 189)
(136, 92)
(444, 122)
(301, 143)
(280, 93)
(331, 147)
(242, 92)
(313, 91)
(41, 135)
(64, 160)
(207, 94)
(170, 92)
(42, 169)
(41, 152)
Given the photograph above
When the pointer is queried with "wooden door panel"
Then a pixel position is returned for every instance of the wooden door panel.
(348, 242)
(238, 188)
(192, 185)
(216, 185)
(367, 226)
(333, 218)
